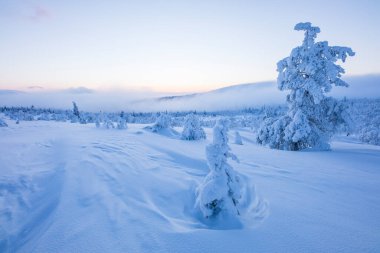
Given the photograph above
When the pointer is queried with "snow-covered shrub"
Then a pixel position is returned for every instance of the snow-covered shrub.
(3, 123)
(238, 139)
(121, 123)
(221, 189)
(97, 122)
(370, 132)
(162, 122)
(192, 129)
(308, 73)
(108, 124)
(44, 116)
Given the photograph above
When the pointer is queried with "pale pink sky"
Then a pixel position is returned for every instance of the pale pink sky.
(171, 45)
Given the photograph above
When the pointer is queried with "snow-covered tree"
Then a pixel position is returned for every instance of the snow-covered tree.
(107, 123)
(192, 129)
(221, 189)
(76, 116)
(162, 122)
(370, 130)
(3, 123)
(238, 139)
(308, 73)
(99, 119)
(121, 123)
(97, 122)
(371, 133)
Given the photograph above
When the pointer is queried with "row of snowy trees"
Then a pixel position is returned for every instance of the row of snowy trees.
(365, 125)
(239, 118)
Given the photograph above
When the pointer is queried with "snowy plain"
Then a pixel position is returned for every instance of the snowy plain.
(75, 188)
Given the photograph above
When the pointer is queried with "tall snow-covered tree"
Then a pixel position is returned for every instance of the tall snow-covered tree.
(75, 109)
(76, 115)
(221, 189)
(308, 73)
(192, 129)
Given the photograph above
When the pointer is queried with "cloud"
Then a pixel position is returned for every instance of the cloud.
(228, 98)
(78, 90)
(35, 87)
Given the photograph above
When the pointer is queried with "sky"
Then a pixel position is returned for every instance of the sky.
(171, 46)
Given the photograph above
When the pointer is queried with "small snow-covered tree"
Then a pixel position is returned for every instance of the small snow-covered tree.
(97, 122)
(238, 139)
(192, 129)
(99, 118)
(107, 123)
(308, 73)
(162, 122)
(370, 131)
(221, 189)
(121, 123)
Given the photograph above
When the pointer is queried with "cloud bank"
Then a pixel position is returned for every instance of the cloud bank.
(228, 98)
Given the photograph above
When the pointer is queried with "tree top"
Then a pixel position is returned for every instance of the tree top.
(310, 32)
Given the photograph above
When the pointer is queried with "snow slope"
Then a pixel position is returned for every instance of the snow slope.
(74, 188)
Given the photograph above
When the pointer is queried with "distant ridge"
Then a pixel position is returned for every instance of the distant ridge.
(234, 97)
(8, 92)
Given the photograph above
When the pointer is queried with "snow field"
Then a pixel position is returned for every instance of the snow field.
(75, 188)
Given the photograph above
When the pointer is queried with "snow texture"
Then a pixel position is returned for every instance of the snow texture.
(72, 188)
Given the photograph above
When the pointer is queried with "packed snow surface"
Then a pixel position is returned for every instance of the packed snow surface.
(76, 188)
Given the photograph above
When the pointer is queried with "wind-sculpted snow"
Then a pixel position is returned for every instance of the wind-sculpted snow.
(77, 188)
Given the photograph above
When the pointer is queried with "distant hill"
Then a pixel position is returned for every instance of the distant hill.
(8, 92)
(231, 97)
(256, 94)
(226, 98)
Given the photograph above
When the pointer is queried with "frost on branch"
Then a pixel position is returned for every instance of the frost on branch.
(221, 190)
(308, 74)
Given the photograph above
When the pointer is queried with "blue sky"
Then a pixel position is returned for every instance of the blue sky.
(171, 46)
